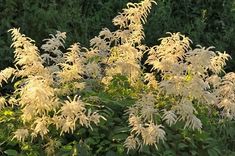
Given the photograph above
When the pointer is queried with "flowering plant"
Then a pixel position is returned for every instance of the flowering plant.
(60, 91)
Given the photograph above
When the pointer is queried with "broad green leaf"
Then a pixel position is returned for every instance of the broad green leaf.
(11, 152)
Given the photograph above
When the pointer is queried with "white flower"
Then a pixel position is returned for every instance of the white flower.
(72, 108)
(131, 143)
(2, 102)
(21, 134)
(169, 117)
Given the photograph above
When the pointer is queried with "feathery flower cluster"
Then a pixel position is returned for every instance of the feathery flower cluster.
(124, 56)
(6, 74)
(36, 94)
(125, 60)
(21, 134)
(142, 119)
(131, 20)
(224, 90)
(37, 98)
(72, 111)
(26, 55)
(72, 68)
(184, 73)
(52, 46)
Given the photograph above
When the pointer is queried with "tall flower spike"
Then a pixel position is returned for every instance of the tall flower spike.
(52, 46)
(218, 62)
(37, 97)
(169, 52)
(72, 68)
(132, 18)
(26, 55)
(144, 129)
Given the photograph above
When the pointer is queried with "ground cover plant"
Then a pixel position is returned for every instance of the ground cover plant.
(102, 100)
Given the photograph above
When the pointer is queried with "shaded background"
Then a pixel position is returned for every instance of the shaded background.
(206, 22)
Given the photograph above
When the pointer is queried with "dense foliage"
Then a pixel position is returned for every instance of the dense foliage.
(208, 23)
(101, 100)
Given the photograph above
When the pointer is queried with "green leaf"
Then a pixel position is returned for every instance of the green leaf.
(91, 141)
(121, 136)
(110, 153)
(11, 152)
(212, 152)
(121, 130)
(8, 112)
(193, 152)
(182, 145)
(67, 147)
(168, 153)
